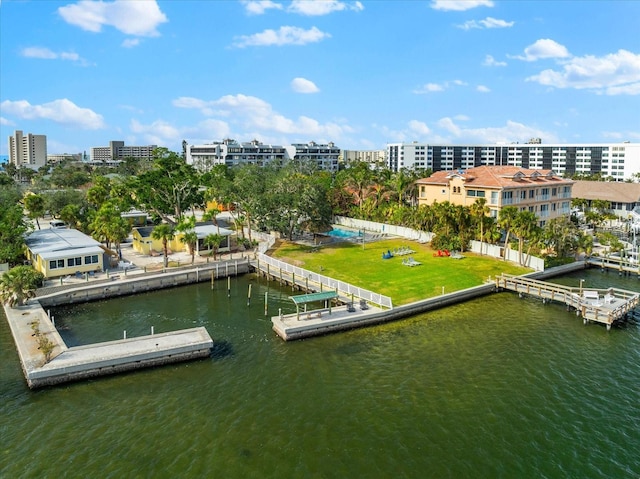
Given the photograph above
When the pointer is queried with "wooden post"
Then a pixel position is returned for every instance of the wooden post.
(266, 302)
(228, 286)
(249, 296)
(293, 281)
(212, 278)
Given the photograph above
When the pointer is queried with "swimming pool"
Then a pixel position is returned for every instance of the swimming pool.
(341, 233)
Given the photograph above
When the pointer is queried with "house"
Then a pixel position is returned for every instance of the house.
(62, 252)
(623, 197)
(539, 191)
(144, 243)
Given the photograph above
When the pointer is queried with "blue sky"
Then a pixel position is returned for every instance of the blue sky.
(361, 74)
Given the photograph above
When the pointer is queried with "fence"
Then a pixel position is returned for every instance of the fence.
(424, 237)
(302, 276)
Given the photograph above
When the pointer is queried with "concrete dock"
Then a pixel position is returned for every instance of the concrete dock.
(81, 362)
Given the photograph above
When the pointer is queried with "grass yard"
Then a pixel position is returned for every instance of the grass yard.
(365, 268)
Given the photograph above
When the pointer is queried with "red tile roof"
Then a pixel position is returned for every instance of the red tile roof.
(497, 177)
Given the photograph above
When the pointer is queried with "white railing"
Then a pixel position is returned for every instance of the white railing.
(308, 278)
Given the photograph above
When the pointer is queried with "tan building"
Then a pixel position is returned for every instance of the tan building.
(539, 191)
(624, 197)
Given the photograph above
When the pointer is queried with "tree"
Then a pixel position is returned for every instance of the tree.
(249, 186)
(561, 235)
(109, 226)
(525, 227)
(164, 233)
(506, 219)
(169, 188)
(13, 225)
(19, 284)
(189, 235)
(35, 205)
(479, 211)
(213, 241)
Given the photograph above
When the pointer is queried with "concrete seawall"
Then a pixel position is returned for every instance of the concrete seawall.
(288, 328)
(141, 284)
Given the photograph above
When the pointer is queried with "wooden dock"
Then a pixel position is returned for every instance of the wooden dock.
(598, 305)
(623, 266)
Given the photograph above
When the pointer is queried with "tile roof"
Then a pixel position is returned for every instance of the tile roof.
(497, 177)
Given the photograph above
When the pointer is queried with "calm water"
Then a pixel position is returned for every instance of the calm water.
(497, 387)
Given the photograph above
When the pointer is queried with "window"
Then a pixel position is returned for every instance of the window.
(532, 194)
(74, 262)
(523, 195)
(91, 259)
(56, 263)
(476, 193)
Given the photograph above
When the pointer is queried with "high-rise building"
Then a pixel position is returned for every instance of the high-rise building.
(27, 150)
(615, 160)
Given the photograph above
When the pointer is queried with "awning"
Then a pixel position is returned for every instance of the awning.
(312, 297)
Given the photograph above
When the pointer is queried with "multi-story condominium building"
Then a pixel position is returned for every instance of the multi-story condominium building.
(539, 191)
(375, 158)
(117, 151)
(231, 153)
(616, 160)
(326, 155)
(27, 150)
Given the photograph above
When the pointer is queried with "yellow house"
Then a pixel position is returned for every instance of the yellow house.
(539, 191)
(144, 243)
(64, 252)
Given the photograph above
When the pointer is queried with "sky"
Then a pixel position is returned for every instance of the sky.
(360, 74)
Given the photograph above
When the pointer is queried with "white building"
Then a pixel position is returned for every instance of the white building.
(232, 153)
(27, 150)
(616, 160)
(117, 151)
(375, 158)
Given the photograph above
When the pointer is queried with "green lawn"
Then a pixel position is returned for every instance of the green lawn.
(365, 268)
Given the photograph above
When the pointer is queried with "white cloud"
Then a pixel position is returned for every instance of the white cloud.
(259, 7)
(48, 54)
(435, 87)
(543, 48)
(488, 22)
(461, 118)
(449, 126)
(483, 89)
(61, 111)
(131, 42)
(322, 7)
(429, 88)
(459, 5)
(131, 17)
(613, 74)
(489, 61)
(302, 85)
(254, 113)
(419, 127)
(284, 36)
(5, 122)
(622, 135)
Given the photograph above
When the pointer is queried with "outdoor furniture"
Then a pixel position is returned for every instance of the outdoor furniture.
(363, 304)
(351, 308)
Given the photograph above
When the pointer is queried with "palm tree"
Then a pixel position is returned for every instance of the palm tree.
(164, 233)
(212, 215)
(190, 238)
(479, 211)
(35, 205)
(506, 218)
(213, 241)
(525, 226)
(19, 284)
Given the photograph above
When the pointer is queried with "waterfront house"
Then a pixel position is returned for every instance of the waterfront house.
(144, 243)
(539, 191)
(64, 252)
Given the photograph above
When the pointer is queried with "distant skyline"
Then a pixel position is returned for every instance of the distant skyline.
(358, 73)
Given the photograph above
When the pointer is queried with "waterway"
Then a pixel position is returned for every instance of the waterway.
(495, 387)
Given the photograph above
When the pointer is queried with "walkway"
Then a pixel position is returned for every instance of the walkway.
(599, 305)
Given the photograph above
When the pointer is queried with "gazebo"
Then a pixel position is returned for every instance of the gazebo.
(304, 299)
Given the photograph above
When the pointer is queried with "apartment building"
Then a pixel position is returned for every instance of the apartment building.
(232, 153)
(616, 160)
(539, 191)
(28, 150)
(375, 158)
(117, 151)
